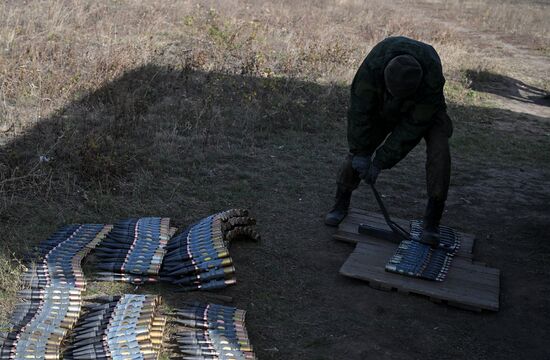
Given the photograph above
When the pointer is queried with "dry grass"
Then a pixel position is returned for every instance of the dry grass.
(143, 106)
(524, 22)
(53, 52)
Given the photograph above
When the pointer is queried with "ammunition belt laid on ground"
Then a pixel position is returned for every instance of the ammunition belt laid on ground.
(52, 303)
(415, 259)
(209, 331)
(198, 258)
(133, 251)
(123, 327)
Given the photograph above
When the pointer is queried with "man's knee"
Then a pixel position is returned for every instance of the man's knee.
(348, 179)
(438, 159)
(443, 125)
(437, 140)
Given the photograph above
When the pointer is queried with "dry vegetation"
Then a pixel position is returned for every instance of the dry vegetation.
(161, 106)
(522, 22)
(53, 52)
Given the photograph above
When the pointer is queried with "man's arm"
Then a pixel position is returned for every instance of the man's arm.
(365, 132)
(406, 135)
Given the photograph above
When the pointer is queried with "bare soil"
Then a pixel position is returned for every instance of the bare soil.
(290, 283)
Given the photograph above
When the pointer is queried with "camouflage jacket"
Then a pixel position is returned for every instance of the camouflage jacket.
(373, 113)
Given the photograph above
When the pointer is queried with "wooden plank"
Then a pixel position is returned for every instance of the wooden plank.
(347, 230)
(462, 269)
(467, 285)
(359, 216)
(376, 217)
(455, 289)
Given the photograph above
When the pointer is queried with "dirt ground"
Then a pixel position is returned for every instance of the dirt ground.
(298, 306)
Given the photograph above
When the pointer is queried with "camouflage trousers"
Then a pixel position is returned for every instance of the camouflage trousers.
(438, 161)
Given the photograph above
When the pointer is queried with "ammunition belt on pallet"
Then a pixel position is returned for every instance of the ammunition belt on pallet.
(209, 331)
(124, 327)
(134, 250)
(198, 258)
(415, 259)
(53, 301)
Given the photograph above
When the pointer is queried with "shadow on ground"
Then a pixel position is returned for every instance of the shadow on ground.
(186, 143)
(505, 86)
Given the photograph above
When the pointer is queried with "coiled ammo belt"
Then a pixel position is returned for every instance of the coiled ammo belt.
(198, 258)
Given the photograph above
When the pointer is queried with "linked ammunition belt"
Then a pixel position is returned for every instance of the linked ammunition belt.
(133, 251)
(415, 259)
(53, 301)
(123, 327)
(209, 331)
(198, 258)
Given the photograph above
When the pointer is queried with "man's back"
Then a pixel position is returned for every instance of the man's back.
(371, 106)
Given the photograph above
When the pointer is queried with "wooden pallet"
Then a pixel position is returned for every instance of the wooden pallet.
(348, 230)
(468, 285)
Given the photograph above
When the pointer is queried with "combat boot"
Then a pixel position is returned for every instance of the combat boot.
(432, 217)
(340, 208)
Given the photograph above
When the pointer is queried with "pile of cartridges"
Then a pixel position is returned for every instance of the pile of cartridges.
(133, 251)
(198, 258)
(52, 303)
(415, 259)
(209, 331)
(123, 327)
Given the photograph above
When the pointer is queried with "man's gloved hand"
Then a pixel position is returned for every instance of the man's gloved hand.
(372, 174)
(361, 164)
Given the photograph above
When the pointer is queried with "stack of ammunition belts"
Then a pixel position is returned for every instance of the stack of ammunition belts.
(124, 327)
(52, 304)
(198, 258)
(133, 251)
(209, 331)
(415, 259)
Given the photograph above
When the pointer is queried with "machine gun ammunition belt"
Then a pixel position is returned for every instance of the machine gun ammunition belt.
(210, 331)
(125, 327)
(134, 250)
(53, 298)
(198, 257)
(415, 259)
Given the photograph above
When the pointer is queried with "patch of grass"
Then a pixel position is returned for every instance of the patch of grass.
(524, 21)
(10, 273)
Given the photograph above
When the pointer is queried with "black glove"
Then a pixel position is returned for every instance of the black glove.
(372, 174)
(361, 164)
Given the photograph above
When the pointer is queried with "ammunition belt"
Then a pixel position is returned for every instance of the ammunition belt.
(198, 258)
(210, 331)
(415, 259)
(123, 327)
(53, 299)
(134, 250)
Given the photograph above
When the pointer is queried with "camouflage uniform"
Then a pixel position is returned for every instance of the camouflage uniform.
(378, 122)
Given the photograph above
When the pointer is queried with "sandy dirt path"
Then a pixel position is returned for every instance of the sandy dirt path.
(527, 64)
